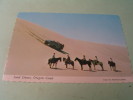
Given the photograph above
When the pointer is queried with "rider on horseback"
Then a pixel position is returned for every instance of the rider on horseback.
(68, 59)
(111, 60)
(96, 59)
(53, 56)
(84, 59)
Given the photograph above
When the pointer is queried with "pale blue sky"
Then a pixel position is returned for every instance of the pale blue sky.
(97, 28)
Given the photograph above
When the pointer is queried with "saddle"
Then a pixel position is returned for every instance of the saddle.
(96, 61)
(84, 61)
(51, 59)
(69, 61)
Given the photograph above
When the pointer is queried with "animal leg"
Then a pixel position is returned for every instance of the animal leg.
(110, 68)
(66, 65)
(114, 68)
(102, 68)
(55, 65)
(73, 66)
(50, 65)
(90, 68)
(94, 67)
(81, 67)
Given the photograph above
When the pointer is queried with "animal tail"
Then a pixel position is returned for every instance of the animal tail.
(73, 63)
(48, 62)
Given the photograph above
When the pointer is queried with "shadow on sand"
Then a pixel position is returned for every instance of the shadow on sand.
(90, 70)
(102, 70)
(71, 69)
(117, 71)
(58, 69)
(63, 69)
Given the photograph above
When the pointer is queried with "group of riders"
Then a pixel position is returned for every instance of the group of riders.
(68, 59)
(83, 61)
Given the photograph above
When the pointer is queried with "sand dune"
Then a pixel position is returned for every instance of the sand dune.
(27, 56)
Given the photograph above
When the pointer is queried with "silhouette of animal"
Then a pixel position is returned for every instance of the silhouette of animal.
(53, 61)
(83, 62)
(70, 62)
(112, 65)
(96, 62)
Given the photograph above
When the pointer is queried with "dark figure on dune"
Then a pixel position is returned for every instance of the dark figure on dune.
(84, 58)
(83, 62)
(68, 61)
(112, 64)
(68, 58)
(53, 55)
(96, 62)
(53, 61)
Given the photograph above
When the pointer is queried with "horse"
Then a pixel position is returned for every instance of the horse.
(82, 62)
(112, 65)
(53, 61)
(68, 62)
(96, 62)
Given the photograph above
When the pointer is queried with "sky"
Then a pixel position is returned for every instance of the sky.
(99, 28)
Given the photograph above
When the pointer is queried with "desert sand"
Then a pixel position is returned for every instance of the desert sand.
(28, 56)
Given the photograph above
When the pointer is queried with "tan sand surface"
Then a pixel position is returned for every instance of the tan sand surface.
(28, 56)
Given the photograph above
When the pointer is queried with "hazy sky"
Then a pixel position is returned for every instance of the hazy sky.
(97, 28)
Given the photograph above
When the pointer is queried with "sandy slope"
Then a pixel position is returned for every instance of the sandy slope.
(27, 56)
